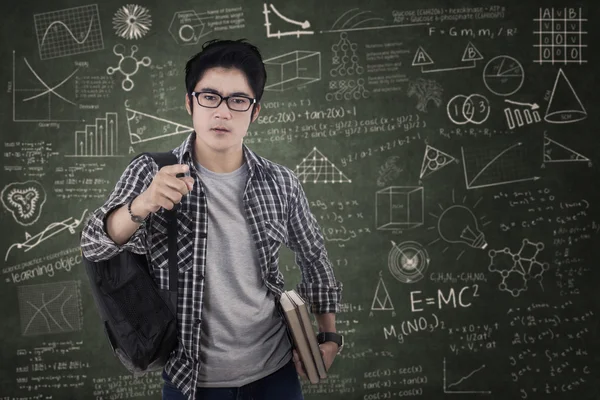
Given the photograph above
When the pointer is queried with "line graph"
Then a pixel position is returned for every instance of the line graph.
(69, 31)
(271, 34)
(32, 96)
(474, 385)
(50, 308)
(507, 166)
(49, 89)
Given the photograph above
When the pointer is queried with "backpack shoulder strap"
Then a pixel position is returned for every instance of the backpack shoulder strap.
(163, 159)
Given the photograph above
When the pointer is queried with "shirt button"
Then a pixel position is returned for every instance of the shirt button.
(197, 322)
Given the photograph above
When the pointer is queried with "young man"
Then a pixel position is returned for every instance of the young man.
(235, 210)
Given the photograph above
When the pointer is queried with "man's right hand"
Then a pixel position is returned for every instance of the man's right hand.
(166, 188)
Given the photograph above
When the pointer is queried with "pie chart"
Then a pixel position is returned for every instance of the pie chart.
(503, 75)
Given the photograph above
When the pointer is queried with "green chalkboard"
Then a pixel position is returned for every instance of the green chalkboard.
(449, 151)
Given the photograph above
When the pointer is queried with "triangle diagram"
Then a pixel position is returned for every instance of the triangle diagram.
(317, 168)
(556, 152)
(471, 53)
(381, 301)
(421, 58)
(434, 160)
(564, 105)
(145, 127)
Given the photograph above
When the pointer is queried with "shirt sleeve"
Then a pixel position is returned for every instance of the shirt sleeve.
(96, 245)
(318, 284)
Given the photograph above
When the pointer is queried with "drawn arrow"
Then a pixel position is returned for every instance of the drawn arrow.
(533, 106)
(304, 24)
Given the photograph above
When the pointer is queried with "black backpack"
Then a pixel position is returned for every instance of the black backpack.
(140, 320)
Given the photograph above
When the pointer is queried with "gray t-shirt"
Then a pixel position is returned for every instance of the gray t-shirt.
(243, 337)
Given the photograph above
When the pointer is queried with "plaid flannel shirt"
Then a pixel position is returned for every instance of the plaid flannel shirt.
(277, 211)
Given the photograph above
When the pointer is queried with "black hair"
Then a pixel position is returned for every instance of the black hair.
(228, 54)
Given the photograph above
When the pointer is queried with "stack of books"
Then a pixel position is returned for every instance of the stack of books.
(303, 335)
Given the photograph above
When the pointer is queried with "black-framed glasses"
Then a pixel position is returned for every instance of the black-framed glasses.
(214, 100)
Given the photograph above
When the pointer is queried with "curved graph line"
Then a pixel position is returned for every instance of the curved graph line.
(342, 16)
(62, 312)
(283, 17)
(491, 162)
(31, 320)
(466, 377)
(68, 30)
(366, 20)
(44, 83)
(44, 305)
(354, 16)
(40, 237)
(52, 90)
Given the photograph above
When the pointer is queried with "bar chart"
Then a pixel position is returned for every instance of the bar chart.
(98, 140)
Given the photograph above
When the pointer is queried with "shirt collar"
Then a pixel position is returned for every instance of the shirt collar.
(186, 150)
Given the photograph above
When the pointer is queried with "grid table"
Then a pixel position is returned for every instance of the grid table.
(560, 35)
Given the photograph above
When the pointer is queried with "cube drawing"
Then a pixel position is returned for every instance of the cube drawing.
(293, 69)
(399, 207)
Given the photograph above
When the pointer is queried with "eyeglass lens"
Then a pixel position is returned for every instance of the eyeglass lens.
(213, 100)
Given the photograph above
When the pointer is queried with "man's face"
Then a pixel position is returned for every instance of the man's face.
(220, 128)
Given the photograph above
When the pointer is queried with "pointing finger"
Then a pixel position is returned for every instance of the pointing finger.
(175, 169)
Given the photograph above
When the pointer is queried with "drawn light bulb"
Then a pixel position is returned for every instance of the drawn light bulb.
(457, 224)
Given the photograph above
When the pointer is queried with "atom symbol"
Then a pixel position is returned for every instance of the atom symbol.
(127, 67)
(132, 21)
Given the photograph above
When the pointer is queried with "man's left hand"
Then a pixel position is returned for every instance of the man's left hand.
(328, 351)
